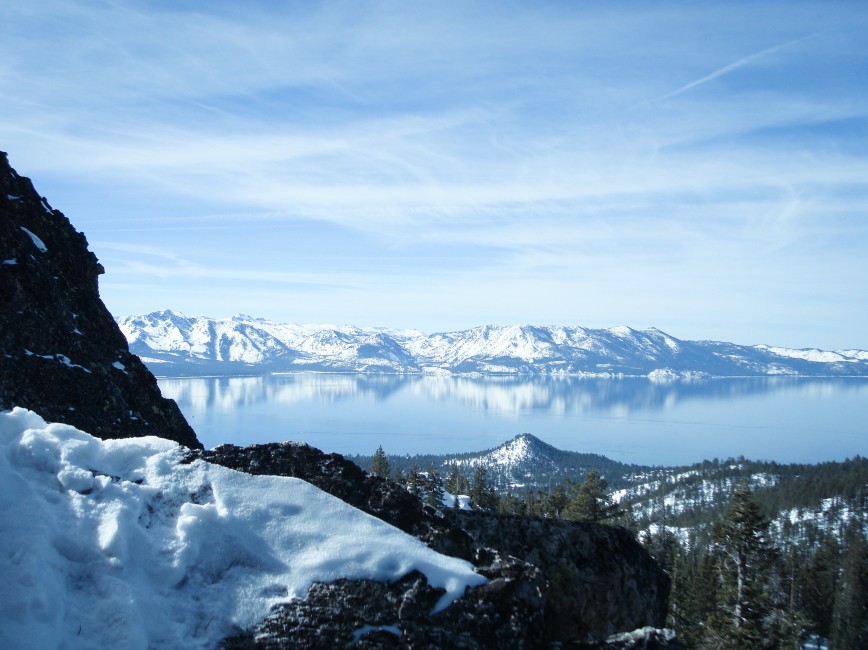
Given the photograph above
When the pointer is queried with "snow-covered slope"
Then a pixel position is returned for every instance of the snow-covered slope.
(116, 544)
(174, 344)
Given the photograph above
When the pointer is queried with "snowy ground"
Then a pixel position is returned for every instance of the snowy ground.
(115, 544)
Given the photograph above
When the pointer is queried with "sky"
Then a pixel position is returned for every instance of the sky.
(699, 167)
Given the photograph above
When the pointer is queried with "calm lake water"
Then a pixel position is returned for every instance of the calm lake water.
(630, 420)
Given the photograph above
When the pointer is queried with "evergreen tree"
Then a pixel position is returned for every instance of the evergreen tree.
(850, 611)
(590, 500)
(663, 547)
(454, 481)
(817, 584)
(693, 593)
(413, 480)
(481, 494)
(433, 488)
(553, 504)
(744, 555)
(379, 464)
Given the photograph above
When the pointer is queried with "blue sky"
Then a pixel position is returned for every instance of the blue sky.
(697, 167)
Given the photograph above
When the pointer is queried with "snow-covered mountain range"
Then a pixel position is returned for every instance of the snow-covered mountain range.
(172, 344)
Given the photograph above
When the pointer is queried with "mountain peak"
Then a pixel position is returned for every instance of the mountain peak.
(521, 449)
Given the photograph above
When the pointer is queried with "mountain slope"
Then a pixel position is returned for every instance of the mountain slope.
(173, 344)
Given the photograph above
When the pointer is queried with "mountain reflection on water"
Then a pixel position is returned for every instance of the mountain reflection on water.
(350, 412)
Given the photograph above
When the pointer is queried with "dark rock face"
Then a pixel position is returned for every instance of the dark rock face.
(550, 582)
(368, 614)
(61, 353)
(601, 581)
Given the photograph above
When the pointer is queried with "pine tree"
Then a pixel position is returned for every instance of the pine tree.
(379, 464)
(693, 593)
(816, 584)
(481, 494)
(590, 500)
(413, 480)
(554, 503)
(744, 556)
(850, 611)
(454, 481)
(433, 488)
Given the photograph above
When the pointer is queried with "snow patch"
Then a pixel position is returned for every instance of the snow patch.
(62, 358)
(40, 245)
(367, 629)
(461, 501)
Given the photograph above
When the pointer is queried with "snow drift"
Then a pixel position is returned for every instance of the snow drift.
(118, 543)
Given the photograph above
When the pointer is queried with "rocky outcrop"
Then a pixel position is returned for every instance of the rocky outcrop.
(61, 353)
(600, 580)
(550, 581)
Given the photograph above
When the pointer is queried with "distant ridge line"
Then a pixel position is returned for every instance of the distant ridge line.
(172, 344)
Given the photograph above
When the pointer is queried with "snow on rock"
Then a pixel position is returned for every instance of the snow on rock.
(118, 544)
(62, 358)
(40, 245)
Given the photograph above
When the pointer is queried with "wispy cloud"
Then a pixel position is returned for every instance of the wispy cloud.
(735, 65)
(464, 151)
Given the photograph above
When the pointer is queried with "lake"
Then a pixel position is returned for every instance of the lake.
(633, 420)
